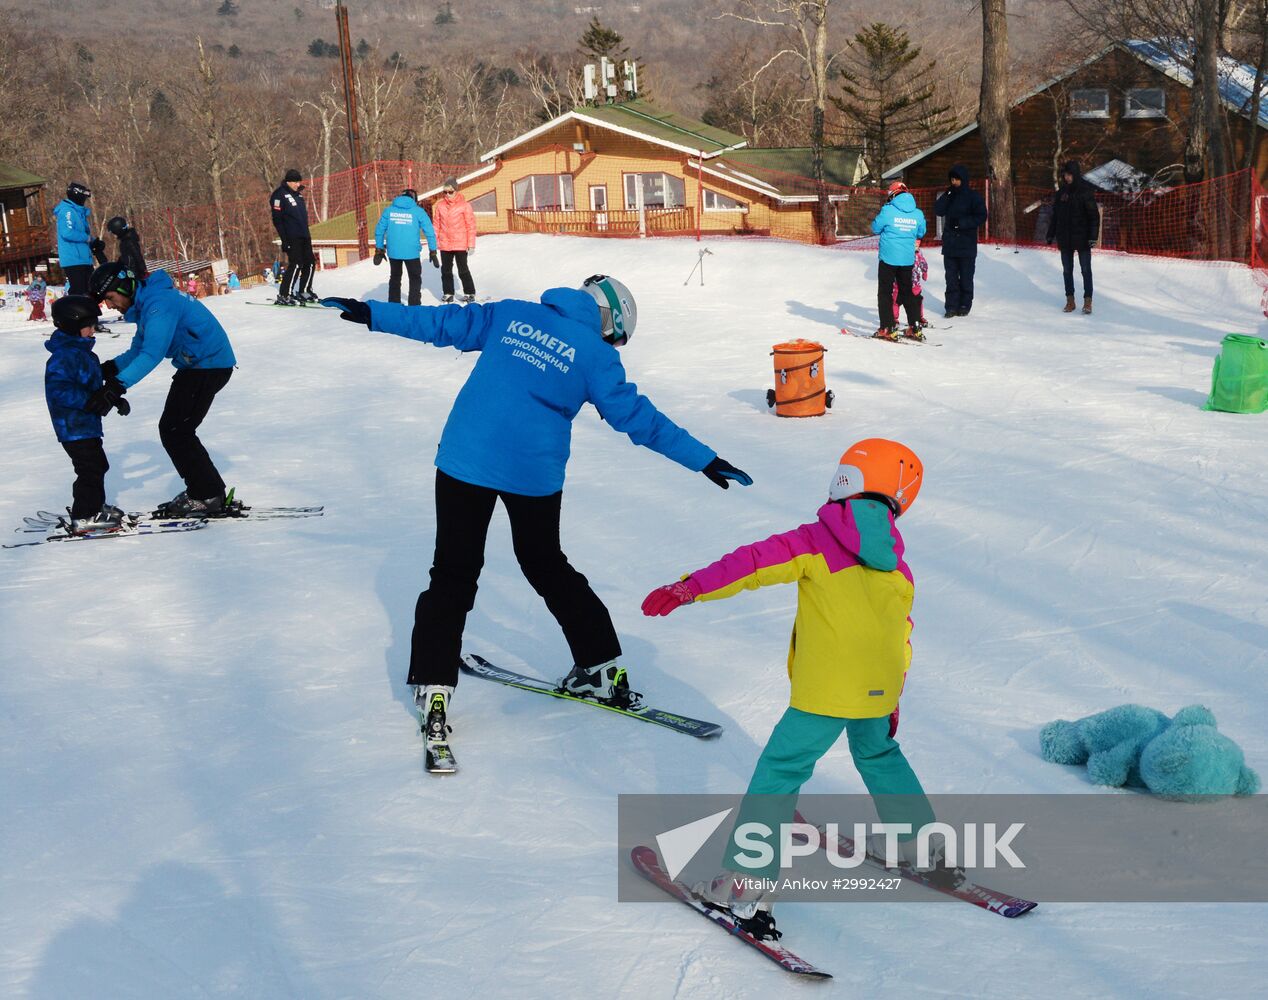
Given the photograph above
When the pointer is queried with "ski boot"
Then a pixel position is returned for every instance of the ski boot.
(183, 505)
(105, 522)
(447, 300)
(307, 296)
(284, 300)
(432, 702)
(914, 333)
(935, 869)
(468, 299)
(744, 899)
(887, 333)
(606, 683)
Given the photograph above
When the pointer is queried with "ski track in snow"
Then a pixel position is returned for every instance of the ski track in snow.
(211, 776)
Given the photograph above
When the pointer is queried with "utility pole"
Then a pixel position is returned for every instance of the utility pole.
(354, 127)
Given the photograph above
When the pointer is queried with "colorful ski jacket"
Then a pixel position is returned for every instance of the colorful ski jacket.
(171, 324)
(399, 228)
(74, 233)
(510, 428)
(71, 375)
(899, 224)
(850, 646)
(455, 223)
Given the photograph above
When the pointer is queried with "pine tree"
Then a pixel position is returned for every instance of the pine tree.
(227, 9)
(445, 15)
(599, 41)
(888, 94)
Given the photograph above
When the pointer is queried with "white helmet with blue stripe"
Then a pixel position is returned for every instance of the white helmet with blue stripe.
(617, 310)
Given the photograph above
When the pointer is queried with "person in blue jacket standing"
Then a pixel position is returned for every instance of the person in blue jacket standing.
(899, 225)
(76, 244)
(399, 235)
(508, 438)
(965, 212)
(171, 324)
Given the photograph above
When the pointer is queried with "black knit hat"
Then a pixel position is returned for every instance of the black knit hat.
(292, 175)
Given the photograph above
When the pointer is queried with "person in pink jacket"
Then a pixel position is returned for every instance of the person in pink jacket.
(456, 236)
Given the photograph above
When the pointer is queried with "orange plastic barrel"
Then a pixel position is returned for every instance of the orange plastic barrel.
(799, 380)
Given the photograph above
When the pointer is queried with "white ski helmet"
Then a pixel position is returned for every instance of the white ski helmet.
(617, 310)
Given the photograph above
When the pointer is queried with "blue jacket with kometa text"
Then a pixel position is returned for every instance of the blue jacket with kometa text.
(399, 225)
(71, 375)
(510, 428)
(899, 225)
(171, 324)
(74, 233)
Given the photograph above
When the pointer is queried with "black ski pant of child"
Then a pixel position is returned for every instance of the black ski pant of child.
(888, 274)
(447, 260)
(298, 276)
(414, 268)
(463, 512)
(77, 276)
(1085, 265)
(959, 271)
(88, 495)
(188, 401)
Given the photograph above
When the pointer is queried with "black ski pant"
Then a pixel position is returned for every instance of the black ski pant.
(463, 512)
(1085, 265)
(300, 262)
(188, 401)
(887, 276)
(414, 268)
(447, 260)
(88, 457)
(959, 272)
(78, 275)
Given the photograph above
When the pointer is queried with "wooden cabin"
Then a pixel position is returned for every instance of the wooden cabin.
(25, 233)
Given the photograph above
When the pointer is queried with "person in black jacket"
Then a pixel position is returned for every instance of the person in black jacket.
(129, 246)
(964, 211)
(290, 219)
(1075, 224)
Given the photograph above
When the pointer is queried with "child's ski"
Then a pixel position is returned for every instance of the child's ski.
(127, 530)
(988, 899)
(647, 865)
(481, 667)
(45, 519)
(901, 339)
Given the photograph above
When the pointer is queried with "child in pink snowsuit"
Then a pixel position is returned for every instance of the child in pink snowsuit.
(919, 275)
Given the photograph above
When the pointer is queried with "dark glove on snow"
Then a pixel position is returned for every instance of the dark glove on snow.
(435, 261)
(104, 399)
(722, 473)
(352, 310)
(109, 369)
(378, 256)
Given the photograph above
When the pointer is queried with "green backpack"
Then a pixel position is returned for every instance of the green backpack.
(1239, 381)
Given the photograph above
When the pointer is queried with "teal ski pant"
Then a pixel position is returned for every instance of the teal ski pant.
(794, 748)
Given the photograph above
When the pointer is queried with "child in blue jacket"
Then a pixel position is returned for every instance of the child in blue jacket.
(508, 438)
(72, 387)
(900, 224)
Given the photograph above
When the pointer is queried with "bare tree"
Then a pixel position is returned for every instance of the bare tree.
(993, 110)
(329, 109)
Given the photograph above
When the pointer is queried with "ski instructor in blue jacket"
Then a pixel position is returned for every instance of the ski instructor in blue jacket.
(400, 232)
(171, 324)
(508, 438)
(900, 224)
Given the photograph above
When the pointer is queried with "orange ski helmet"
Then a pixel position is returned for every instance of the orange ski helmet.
(885, 468)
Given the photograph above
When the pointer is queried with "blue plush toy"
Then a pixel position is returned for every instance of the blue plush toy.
(1180, 758)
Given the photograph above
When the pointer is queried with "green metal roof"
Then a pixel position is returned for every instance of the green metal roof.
(796, 164)
(344, 227)
(12, 177)
(639, 116)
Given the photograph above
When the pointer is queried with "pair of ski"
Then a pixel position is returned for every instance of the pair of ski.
(55, 527)
(648, 865)
(900, 339)
(440, 758)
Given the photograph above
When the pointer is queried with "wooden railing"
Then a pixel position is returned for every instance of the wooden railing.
(615, 222)
(25, 243)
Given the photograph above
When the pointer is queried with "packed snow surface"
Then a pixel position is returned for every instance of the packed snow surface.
(211, 778)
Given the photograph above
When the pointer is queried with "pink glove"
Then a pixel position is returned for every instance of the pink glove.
(893, 722)
(664, 599)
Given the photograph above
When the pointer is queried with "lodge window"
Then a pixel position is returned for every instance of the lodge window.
(539, 192)
(657, 190)
(1146, 102)
(715, 202)
(486, 204)
(1089, 103)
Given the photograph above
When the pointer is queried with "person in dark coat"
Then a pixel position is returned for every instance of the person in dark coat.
(1075, 224)
(290, 219)
(964, 212)
(130, 255)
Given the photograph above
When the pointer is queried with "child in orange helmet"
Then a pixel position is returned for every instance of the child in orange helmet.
(849, 654)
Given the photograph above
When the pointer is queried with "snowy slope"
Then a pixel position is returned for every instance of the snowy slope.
(211, 779)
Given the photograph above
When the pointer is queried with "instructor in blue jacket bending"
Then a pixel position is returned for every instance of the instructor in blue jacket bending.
(171, 324)
(508, 438)
(400, 233)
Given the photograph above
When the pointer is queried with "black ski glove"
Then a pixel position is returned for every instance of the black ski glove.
(352, 310)
(97, 245)
(286, 246)
(722, 473)
(123, 406)
(109, 369)
(104, 399)
(431, 256)
(378, 256)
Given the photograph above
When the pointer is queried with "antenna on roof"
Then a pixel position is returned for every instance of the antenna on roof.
(591, 82)
(631, 78)
(607, 73)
